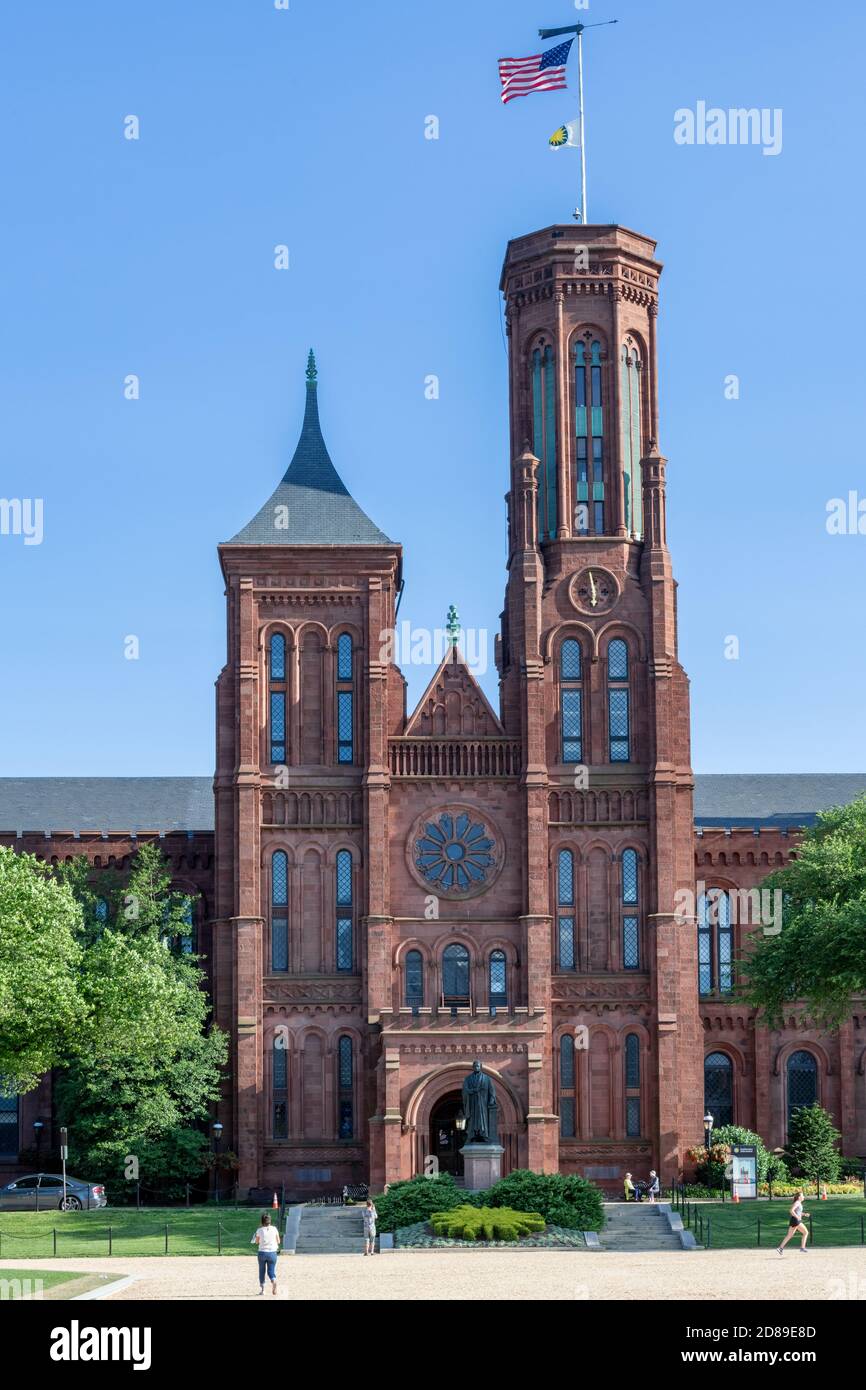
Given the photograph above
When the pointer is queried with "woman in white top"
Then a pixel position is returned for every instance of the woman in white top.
(267, 1238)
(796, 1223)
(369, 1214)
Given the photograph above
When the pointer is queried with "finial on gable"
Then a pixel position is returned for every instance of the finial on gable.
(312, 372)
(452, 625)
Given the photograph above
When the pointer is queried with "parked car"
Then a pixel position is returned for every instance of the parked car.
(44, 1192)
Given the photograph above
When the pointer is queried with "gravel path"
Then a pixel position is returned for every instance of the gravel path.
(691, 1275)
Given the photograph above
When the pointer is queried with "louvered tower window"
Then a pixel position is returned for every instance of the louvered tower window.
(589, 439)
(544, 437)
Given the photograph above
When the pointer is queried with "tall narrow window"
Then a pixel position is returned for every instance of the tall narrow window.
(719, 1088)
(589, 438)
(802, 1074)
(280, 911)
(630, 386)
(544, 437)
(8, 1124)
(566, 1087)
(345, 951)
(345, 1089)
(100, 911)
(565, 909)
(280, 1058)
(277, 697)
(187, 938)
(571, 701)
(455, 976)
(414, 979)
(618, 701)
(630, 920)
(497, 980)
(345, 700)
(715, 943)
(632, 1086)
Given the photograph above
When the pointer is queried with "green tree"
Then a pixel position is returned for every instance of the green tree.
(42, 1010)
(151, 1066)
(813, 1143)
(820, 954)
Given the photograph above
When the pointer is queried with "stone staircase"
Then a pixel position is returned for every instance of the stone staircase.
(330, 1231)
(632, 1226)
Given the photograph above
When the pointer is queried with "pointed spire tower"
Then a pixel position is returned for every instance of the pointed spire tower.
(311, 505)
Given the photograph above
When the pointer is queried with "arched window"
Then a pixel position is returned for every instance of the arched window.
(632, 1086)
(589, 439)
(345, 946)
(8, 1124)
(565, 909)
(280, 1057)
(719, 1088)
(715, 943)
(280, 911)
(802, 1081)
(277, 696)
(544, 437)
(571, 701)
(618, 701)
(630, 376)
(345, 700)
(100, 911)
(455, 976)
(630, 919)
(414, 979)
(566, 1087)
(498, 987)
(345, 1089)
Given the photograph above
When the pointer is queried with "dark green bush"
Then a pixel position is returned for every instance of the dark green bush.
(485, 1223)
(571, 1201)
(416, 1199)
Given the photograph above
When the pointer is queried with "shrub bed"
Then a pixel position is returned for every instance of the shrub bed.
(572, 1201)
(485, 1223)
(420, 1237)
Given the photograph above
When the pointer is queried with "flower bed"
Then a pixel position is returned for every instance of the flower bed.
(420, 1237)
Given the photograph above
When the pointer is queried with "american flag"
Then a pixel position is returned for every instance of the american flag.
(543, 72)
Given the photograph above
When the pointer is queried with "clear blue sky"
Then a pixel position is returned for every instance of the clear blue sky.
(306, 127)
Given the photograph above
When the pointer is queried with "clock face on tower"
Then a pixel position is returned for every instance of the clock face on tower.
(593, 590)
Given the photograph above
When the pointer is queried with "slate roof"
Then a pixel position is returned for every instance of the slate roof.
(771, 798)
(319, 509)
(123, 804)
(106, 803)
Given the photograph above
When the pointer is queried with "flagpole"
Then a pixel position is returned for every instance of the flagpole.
(583, 212)
(578, 30)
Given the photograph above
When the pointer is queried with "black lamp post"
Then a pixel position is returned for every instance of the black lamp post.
(217, 1137)
(38, 1126)
(708, 1132)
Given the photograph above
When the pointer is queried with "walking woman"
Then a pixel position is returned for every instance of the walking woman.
(369, 1215)
(796, 1223)
(267, 1238)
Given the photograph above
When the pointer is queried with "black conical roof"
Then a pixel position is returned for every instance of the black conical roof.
(312, 505)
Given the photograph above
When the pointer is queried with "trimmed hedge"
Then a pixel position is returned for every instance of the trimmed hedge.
(485, 1223)
(572, 1201)
(406, 1203)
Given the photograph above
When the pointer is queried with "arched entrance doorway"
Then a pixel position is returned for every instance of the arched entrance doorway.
(446, 1140)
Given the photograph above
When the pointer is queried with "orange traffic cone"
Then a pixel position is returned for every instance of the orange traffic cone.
(275, 1204)
(735, 1196)
(823, 1194)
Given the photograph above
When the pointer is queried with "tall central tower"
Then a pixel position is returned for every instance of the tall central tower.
(592, 685)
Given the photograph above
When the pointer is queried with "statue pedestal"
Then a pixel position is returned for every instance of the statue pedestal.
(482, 1165)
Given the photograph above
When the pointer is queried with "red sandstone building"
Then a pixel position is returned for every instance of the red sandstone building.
(387, 893)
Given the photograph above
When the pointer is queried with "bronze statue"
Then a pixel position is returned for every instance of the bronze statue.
(479, 1107)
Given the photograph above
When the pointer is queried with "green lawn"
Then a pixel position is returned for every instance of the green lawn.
(732, 1227)
(20, 1283)
(193, 1231)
